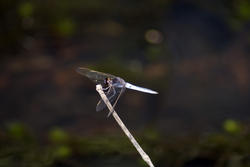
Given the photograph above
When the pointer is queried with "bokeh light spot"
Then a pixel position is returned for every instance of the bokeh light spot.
(63, 152)
(66, 27)
(57, 135)
(231, 126)
(26, 9)
(153, 36)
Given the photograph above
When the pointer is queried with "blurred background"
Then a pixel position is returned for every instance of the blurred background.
(194, 53)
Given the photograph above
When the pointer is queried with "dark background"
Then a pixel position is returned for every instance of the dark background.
(194, 53)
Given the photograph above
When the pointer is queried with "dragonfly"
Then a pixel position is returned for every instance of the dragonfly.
(113, 86)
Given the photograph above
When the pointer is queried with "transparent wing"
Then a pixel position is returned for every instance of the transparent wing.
(112, 96)
(95, 76)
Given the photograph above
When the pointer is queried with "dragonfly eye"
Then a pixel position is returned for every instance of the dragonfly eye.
(108, 81)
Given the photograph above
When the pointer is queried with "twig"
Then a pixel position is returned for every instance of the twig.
(144, 156)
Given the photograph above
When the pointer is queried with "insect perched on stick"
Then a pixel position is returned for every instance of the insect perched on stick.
(112, 86)
(110, 89)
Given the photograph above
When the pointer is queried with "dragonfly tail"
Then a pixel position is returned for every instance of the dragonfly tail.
(141, 89)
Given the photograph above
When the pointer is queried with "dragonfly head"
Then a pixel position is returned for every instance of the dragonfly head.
(108, 81)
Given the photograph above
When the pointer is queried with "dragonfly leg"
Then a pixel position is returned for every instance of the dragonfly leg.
(122, 90)
(114, 92)
(106, 88)
(107, 91)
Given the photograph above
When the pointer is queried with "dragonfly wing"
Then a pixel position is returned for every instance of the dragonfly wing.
(121, 92)
(100, 105)
(141, 89)
(97, 77)
(112, 97)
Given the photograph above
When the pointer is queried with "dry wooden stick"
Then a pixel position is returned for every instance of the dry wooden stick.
(144, 156)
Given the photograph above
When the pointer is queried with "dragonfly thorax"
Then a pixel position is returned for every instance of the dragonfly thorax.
(118, 82)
